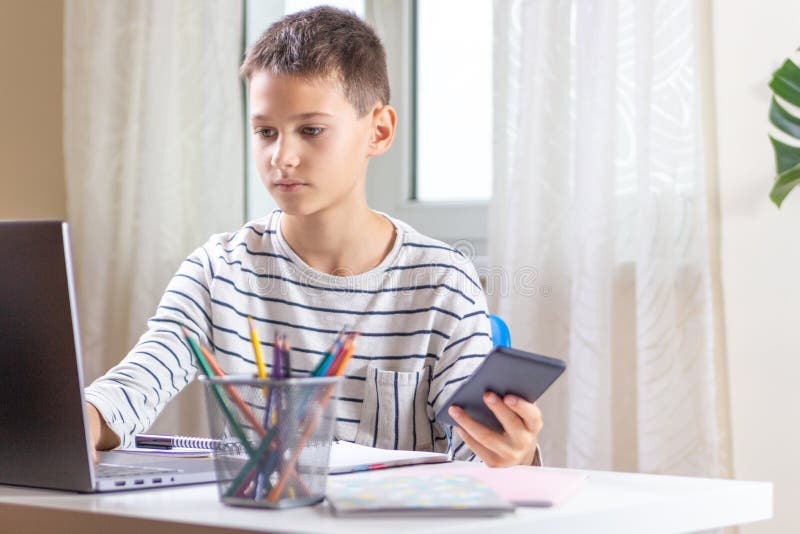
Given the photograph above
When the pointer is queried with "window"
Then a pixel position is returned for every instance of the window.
(453, 101)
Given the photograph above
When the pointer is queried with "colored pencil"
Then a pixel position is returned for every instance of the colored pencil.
(277, 371)
(262, 369)
(286, 359)
(338, 367)
(330, 356)
(324, 363)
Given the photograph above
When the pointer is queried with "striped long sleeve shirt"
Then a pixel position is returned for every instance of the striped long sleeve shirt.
(421, 313)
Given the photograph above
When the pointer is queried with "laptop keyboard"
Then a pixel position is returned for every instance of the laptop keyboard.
(114, 471)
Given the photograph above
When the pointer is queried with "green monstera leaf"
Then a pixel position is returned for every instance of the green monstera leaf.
(784, 115)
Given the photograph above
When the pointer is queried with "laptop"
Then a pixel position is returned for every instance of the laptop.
(44, 435)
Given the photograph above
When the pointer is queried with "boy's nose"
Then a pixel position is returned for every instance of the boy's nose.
(285, 156)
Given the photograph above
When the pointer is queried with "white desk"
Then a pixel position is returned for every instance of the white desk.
(609, 502)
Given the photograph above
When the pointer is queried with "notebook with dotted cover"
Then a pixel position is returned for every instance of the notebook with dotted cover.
(409, 494)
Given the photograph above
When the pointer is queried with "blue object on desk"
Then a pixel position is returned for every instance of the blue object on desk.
(501, 337)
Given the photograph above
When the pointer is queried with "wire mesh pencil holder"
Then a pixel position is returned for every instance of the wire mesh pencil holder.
(274, 438)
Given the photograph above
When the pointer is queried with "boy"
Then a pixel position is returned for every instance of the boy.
(319, 97)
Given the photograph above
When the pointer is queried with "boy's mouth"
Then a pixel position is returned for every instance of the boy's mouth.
(289, 186)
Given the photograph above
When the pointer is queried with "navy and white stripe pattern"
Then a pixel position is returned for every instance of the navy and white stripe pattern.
(421, 313)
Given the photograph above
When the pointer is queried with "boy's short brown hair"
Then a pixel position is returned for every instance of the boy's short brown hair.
(325, 42)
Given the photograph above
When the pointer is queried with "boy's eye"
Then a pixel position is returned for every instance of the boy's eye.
(265, 132)
(312, 131)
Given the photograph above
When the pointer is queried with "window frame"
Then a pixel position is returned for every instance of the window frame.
(258, 202)
(391, 176)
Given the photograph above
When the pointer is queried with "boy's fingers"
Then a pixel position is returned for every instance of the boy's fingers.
(528, 411)
(488, 456)
(509, 418)
(486, 437)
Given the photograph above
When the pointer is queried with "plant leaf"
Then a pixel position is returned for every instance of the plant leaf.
(786, 156)
(784, 184)
(786, 85)
(786, 82)
(784, 121)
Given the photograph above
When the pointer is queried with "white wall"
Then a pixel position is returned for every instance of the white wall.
(760, 253)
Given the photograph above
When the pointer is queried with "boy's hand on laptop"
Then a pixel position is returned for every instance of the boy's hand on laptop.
(103, 438)
(522, 422)
(94, 427)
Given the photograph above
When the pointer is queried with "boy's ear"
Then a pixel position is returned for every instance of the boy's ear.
(384, 122)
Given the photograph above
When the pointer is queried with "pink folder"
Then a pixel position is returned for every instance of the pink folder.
(523, 485)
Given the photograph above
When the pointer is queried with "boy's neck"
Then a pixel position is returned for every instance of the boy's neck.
(340, 242)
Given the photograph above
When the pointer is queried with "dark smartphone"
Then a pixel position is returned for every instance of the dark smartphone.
(504, 371)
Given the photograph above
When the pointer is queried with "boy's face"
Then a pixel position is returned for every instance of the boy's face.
(309, 145)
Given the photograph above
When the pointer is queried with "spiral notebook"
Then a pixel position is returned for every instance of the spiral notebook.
(345, 457)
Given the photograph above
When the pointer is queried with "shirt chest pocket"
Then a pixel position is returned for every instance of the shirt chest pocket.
(395, 410)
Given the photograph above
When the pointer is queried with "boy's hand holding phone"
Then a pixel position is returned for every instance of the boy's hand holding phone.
(493, 411)
(522, 422)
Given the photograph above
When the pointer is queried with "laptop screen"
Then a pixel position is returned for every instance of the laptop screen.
(43, 439)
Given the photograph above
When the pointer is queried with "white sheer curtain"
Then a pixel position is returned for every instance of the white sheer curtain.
(153, 144)
(599, 219)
